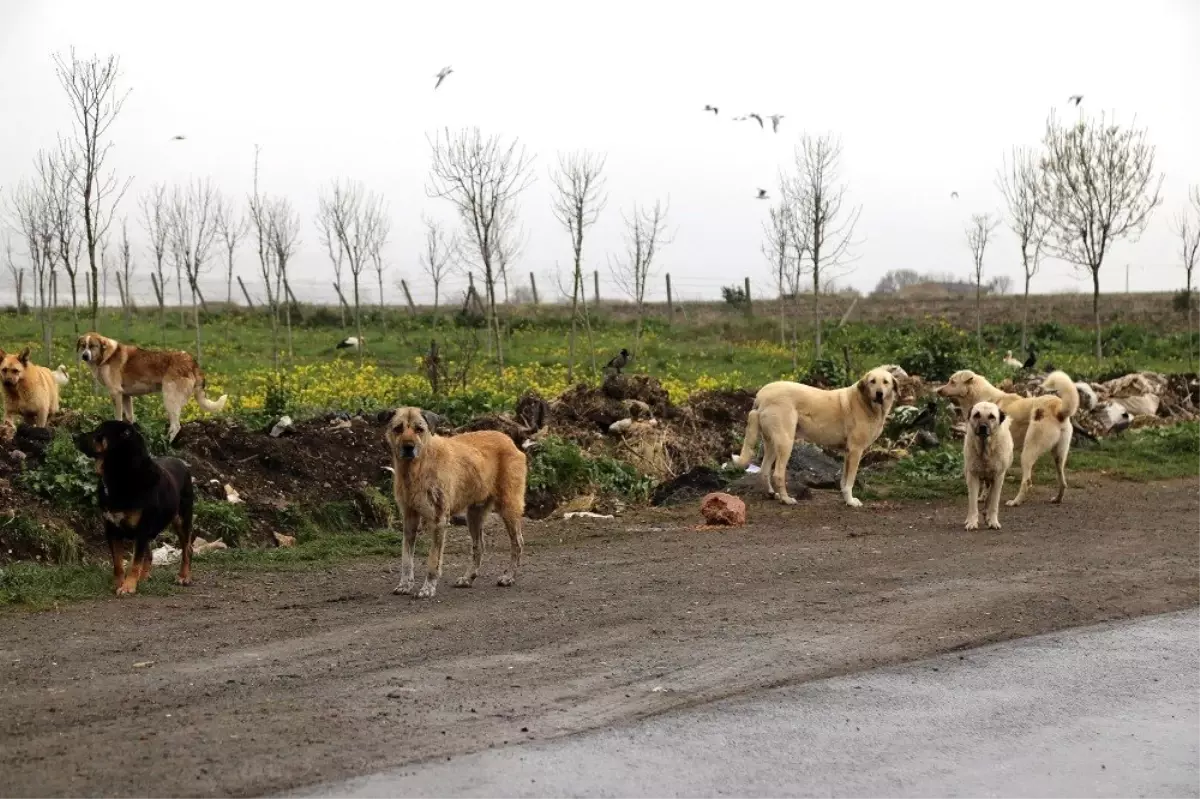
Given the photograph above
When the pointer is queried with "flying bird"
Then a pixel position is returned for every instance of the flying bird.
(775, 121)
(178, 138)
(1075, 98)
(755, 117)
(953, 195)
(712, 108)
(619, 362)
(350, 343)
(441, 76)
(762, 195)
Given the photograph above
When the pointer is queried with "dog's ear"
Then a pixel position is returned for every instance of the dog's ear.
(3, 355)
(969, 379)
(383, 417)
(431, 419)
(24, 357)
(1002, 418)
(127, 432)
(864, 389)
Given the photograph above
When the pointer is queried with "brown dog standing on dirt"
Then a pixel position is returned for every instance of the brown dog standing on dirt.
(128, 371)
(1039, 424)
(140, 496)
(437, 477)
(30, 391)
(850, 418)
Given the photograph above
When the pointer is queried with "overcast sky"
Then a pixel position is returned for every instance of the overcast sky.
(926, 97)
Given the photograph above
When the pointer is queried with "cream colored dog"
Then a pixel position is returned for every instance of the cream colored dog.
(987, 454)
(850, 418)
(1039, 424)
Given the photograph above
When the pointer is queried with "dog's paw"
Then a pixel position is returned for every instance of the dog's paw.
(506, 580)
(993, 524)
(464, 582)
(972, 524)
(183, 581)
(405, 587)
(126, 590)
(1056, 501)
(428, 590)
(854, 502)
(787, 500)
(1012, 503)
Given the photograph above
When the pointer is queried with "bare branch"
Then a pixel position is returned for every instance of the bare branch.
(438, 255)
(645, 235)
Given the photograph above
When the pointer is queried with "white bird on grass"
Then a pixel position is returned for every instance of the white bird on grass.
(1010, 361)
(351, 343)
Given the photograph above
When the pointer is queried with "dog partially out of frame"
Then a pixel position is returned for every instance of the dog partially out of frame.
(437, 477)
(30, 391)
(140, 495)
(1039, 424)
(987, 454)
(128, 371)
(850, 418)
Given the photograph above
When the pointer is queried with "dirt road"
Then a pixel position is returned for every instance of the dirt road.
(252, 683)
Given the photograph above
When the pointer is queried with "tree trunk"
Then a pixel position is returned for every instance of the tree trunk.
(179, 288)
(229, 282)
(358, 322)
(978, 312)
(74, 302)
(817, 307)
(382, 317)
(436, 288)
(587, 325)
(287, 319)
(95, 295)
(1096, 311)
(574, 321)
(1025, 315)
(196, 319)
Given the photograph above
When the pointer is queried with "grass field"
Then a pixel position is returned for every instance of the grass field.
(706, 347)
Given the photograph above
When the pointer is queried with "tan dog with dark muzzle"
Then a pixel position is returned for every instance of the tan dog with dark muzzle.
(987, 454)
(436, 478)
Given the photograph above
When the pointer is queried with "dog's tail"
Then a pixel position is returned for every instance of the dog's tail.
(60, 375)
(212, 406)
(750, 443)
(1062, 385)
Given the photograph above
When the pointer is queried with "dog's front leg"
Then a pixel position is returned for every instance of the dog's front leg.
(119, 405)
(433, 566)
(972, 503)
(993, 501)
(412, 523)
(116, 547)
(849, 474)
(139, 561)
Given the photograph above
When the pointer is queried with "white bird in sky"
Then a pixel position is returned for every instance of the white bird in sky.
(441, 76)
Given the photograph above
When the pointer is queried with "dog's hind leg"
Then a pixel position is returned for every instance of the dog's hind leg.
(475, 516)
(433, 565)
(512, 523)
(849, 475)
(412, 524)
(1032, 449)
(174, 398)
(141, 557)
(127, 408)
(1062, 449)
(184, 531)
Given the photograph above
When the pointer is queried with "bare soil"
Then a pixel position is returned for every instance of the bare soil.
(260, 682)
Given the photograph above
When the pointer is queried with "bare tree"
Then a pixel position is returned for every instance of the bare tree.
(1189, 241)
(579, 197)
(979, 234)
(1098, 185)
(438, 255)
(127, 269)
(777, 247)
(379, 264)
(18, 273)
(193, 230)
(156, 223)
(508, 244)
(337, 254)
(58, 171)
(232, 227)
(1018, 180)
(645, 234)
(818, 203)
(96, 101)
(31, 209)
(284, 226)
(260, 214)
(359, 220)
(1001, 284)
(482, 178)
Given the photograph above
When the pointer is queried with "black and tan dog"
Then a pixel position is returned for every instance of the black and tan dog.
(139, 495)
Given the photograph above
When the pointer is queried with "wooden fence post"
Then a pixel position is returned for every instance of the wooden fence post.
(596, 287)
(670, 302)
(533, 285)
(245, 293)
(748, 306)
(412, 308)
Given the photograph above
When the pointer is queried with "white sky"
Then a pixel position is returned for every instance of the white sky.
(927, 97)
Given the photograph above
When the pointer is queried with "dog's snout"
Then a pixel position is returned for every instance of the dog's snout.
(408, 450)
(85, 356)
(879, 397)
(983, 430)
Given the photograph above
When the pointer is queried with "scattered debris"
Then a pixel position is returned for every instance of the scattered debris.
(723, 509)
(689, 486)
(284, 540)
(142, 664)
(165, 555)
(586, 514)
(232, 496)
(284, 424)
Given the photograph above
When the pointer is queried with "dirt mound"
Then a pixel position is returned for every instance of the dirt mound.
(689, 486)
(588, 408)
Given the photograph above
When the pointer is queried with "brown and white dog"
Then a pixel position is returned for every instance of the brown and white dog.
(436, 478)
(128, 371)
(30, 391)
(849, 418)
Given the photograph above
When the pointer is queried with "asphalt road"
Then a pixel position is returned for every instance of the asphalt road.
(1102, 711)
